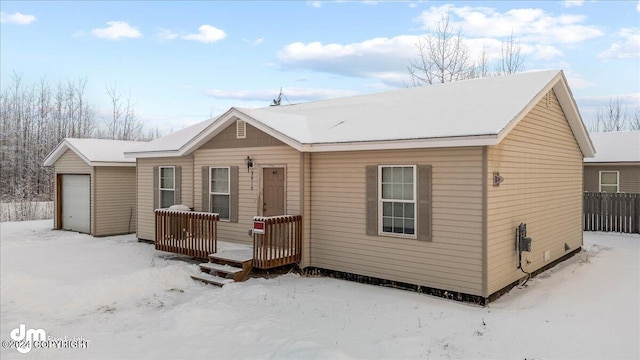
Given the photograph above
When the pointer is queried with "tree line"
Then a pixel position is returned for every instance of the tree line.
(34, 118)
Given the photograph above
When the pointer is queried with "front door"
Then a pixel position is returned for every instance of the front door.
(273, 191)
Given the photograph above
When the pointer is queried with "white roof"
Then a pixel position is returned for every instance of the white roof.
(95, 152)
(616, 146)
(464, 113)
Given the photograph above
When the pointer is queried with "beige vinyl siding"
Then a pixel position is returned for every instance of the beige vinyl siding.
(452, 260)
(306, 215)
(71, 163)
(250, 200)
(541, 164)
(629, 179)
(146, 220)
(115, 210)
(254, 138)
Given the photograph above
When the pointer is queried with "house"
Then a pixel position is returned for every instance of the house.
(616, 166)
(95, 191)
(424, 186)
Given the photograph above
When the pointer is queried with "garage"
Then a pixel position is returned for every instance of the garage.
(76, 203)
(95, 190)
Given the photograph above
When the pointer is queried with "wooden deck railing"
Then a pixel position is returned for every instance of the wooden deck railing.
(186, 232)
(281, 243)
(618, 212)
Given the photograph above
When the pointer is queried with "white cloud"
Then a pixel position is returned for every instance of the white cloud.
(638, 6)
(529, 25)
(628, 46)
(315, 4)
(166, 35)
(258, 41)
(294, 94)
(116, 30)
(16, 18)
(206, 34)
(381, 58)
(573, 3)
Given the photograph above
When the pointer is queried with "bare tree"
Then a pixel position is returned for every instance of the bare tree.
(442, 56)
(611, 117)
(634, 122)
(511, 57)
(123, 124)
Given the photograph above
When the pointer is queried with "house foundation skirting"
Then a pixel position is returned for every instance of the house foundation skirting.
(452, 295)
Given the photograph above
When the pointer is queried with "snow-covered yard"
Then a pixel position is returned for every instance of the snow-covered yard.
(130, 301)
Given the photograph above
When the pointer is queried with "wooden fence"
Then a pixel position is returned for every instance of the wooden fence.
(617, 212)
(281, 243)
(189, 233)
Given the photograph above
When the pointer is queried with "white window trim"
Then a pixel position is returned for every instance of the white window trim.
(617, 179)
(415, 204)
(161, 189)
(228, 193)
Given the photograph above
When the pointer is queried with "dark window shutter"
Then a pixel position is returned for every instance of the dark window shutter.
(205, 189)
(177, 194)
(156, 187)
(371, 188)
(233, 194)
(424, 202)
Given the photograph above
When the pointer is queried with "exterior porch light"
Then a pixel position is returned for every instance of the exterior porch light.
(249, 163)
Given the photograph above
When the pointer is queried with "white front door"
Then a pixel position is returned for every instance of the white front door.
(75, 203)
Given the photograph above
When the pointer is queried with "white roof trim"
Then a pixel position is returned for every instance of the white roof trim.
(480, 140)
(570, 109)
(65, 145)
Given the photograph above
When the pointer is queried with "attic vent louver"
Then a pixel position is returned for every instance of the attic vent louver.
(241, 129)
(549, 98)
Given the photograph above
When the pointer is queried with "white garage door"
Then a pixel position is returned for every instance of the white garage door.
(75, 203)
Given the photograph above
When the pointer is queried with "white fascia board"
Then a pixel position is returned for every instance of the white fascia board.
(570, 109)
(230, 116)
(64, 145)
(613, 163)
(466, 141)
(113, 163)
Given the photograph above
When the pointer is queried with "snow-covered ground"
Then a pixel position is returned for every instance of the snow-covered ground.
(130, 301)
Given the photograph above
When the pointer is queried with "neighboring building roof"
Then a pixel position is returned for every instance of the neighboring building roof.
(464, 113)
(95, 152)
(616, 147)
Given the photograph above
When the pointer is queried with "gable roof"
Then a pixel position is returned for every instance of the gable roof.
(616, 147)
(95, 152)
(464, 113)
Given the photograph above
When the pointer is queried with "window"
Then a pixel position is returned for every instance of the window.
(219, 191)
(609, 181)
(167, 186)
(397, 200)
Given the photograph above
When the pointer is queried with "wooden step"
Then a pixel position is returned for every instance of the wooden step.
(220, 268)
(212, 279)
(233, 256)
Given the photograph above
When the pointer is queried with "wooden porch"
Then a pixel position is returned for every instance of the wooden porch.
(277, 243)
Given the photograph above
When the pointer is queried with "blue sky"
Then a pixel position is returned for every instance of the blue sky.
(184, 61)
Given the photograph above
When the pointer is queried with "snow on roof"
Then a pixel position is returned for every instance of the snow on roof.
(174, 141)
(95, 152)
(616, 146)
(462, 108)
(477, 111)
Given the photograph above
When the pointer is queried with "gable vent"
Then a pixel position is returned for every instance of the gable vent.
(241, 129)
(549, 98)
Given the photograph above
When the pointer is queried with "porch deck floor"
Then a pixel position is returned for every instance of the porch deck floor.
(234, 251)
